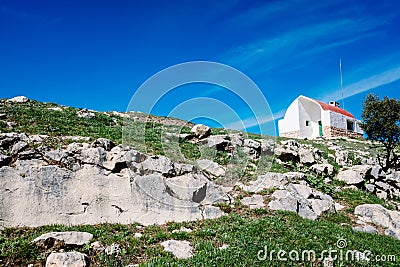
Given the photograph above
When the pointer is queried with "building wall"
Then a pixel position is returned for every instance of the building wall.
(290, 122)
(311, 112)
(330, 131)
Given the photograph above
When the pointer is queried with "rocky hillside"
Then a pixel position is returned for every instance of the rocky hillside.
(117, 189)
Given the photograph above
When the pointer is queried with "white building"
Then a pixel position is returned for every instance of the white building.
(309, 118)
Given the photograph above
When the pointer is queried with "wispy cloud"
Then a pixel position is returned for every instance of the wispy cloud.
(301, 42)
(366, 84)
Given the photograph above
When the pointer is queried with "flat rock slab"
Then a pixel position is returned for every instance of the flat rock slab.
(63, 239)
(350, 177)
(180, 249)
(377, 214)
(67, 259)
(254, 202)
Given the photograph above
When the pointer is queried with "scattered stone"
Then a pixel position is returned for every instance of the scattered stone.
(210, 167)
(182, 229)
(254, 201)
(113, 249)
(323, 169)
(18, 99)
(3, 116)
(305, 201)
(350, 177)
(18, 147)
(67, 259)
(181, 168)
(339, 207)
(63, 239)
(224, 246)
(180, 249)
(306, 157)
(370, 188)
(201, 131)
(97, 246)
(159, 164)
(104, 143)
(137, 235)
(84, 113)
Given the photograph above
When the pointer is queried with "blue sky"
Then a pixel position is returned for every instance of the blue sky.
(96, 54)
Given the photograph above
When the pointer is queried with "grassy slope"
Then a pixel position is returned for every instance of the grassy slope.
(245, 231)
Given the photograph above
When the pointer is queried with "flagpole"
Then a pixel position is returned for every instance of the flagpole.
(341, 81)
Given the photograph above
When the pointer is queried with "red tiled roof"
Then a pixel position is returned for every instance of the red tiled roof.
(325, 106)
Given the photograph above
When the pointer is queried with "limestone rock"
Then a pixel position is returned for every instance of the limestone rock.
(181, 168)
(377, 214)
(306, 157)
(104, 143)
(67, 259)
(219, 142)
(18, 99)
(159, 164)
(200, 131)
(18, 147)
(350, 177)
(113, 249)
(210, 167)
(63, 239)
(84, 113)
(254, 201)
(180, 249)
(305, 201)
(323, 169)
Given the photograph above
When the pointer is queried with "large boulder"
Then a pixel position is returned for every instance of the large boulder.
(306, 157)
(63, 239)
(200, 131)
(210, 167)
(350, 177)
(305, 201)
(378, 215)
(67, 259)
(159, 164)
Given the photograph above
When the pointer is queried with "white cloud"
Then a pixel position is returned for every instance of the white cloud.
(366, 84)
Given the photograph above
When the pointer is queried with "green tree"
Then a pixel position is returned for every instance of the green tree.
(381, 122)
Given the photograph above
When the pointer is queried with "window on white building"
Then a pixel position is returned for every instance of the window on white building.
(307, 123)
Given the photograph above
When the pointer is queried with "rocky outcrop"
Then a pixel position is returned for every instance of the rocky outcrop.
(378, 215)
(305, 201)
(99, 183)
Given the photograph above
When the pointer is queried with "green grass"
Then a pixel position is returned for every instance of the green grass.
(245, 234)
(35, 118)
(353, 198)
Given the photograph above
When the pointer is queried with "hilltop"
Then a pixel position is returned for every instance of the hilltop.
(134, 182)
